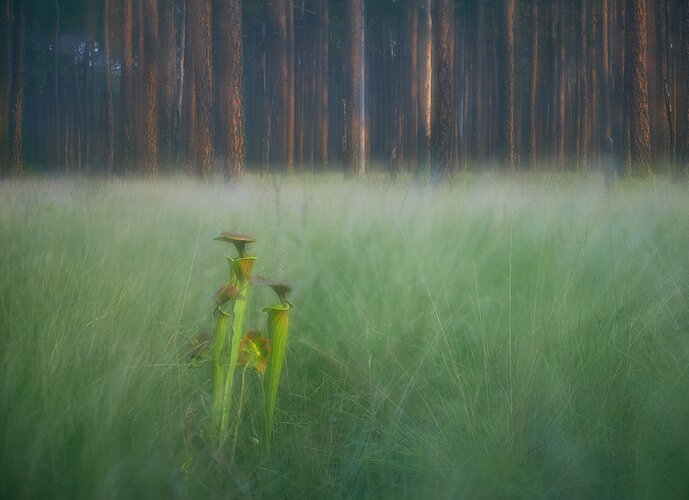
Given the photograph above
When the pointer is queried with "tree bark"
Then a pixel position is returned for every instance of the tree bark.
(534, 84)
(266, 92)
(511, 155)
(479, 132)
(168, 78)
(684, 53)
(91, 133)
(5, 85)
(126, 87)
(412, 142)
(584, 107)
(640, 133)
(323, 80)
(57, 136)
(17, 112)
(666, 112)
(561, 89)
(605, 92)
(425, 87)
(230, 75)
(280, 67)
(355, 87)
(201, 37)
(110, 116)
(444, 93)
(291, 105)
(151, 57)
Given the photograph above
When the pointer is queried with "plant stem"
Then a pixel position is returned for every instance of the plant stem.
(278, 325)
(219, 369)
(237, 325)
(239, 411)
(241, 272)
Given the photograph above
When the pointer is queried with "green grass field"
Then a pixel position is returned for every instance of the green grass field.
(497, 338)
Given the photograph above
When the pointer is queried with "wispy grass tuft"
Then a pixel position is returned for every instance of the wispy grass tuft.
(493, 338)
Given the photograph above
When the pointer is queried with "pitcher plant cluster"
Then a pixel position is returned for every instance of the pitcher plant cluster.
(235, 350)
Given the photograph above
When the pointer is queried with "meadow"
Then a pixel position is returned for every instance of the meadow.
(498, 337)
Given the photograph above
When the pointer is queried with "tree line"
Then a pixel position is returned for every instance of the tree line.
(423, 86)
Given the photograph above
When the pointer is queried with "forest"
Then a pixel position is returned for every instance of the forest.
(399, 86)
(344, 249)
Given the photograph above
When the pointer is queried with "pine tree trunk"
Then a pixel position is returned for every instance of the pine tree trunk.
(180, 91)
(444, 89)
(291, 105)
(324, 84)
(561, 89)
(511, 155)
(201, 34)
(230, 75)
(534, 84)
(584, 108)
(279, 74)
(639, 125)
(57, 126)
(126, 87)
(355, 120)
(5, 85)
(110, 115)
(684, 54)
(151, 55)
(425, 87)
(189, 91)
(168, 78)
(90, 134)
(266, 93)
(17, 112)
(605, 90)
(666, 112)
(412, 141)
(479, 132)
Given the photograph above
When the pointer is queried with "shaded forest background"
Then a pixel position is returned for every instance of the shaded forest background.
(420, 86)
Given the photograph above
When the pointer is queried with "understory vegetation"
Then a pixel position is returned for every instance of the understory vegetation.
(498, 337)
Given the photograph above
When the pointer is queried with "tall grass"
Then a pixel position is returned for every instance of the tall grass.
(497, 337)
